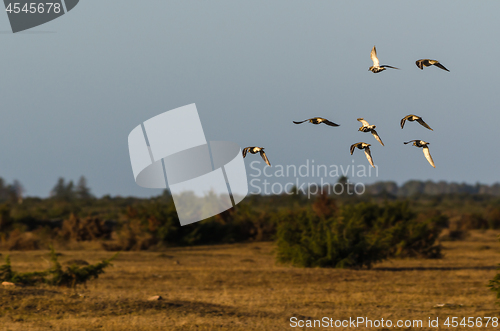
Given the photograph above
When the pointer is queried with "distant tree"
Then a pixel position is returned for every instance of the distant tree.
(70, 189)
(431, 188)
(495, 189)
(383, 188)
(82, 191)
(167, 195)
(343, 180)
(63, 191)
(443, 187)
(295, 194)
(59, 188)
(3, 190)
(346, 186)
(412, 188)
(16, 191)
(453, 188)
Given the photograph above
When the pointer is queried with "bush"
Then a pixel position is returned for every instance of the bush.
(147, 225)
(74, 274)
(18, 240)
(26, 278)
(89, 228)
(306, 240)
(493, 218)
(154, 224)
(5, 219)
(415, 236)
(71, 277)
(356, 236)
(472, 221)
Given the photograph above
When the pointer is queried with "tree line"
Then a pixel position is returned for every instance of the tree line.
(72, 214)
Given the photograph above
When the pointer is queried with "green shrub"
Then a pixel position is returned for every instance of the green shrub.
(306, 240)
(25, 278)
(412, 236)
(356, 236)
(72, 276)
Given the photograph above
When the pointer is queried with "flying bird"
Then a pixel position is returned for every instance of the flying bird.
(427, 63)
(425, 148)
(412, 118)
(318, 120)
(369, 128)
(376, 64)
(366, 147)
(255, 150)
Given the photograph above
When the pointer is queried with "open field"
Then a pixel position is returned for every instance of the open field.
(239, 287)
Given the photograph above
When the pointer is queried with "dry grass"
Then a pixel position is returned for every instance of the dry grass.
(239, 287)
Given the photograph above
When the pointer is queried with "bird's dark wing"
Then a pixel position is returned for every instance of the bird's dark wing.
(421, 121)
(403, 121)
(245, 151)
(407, 142)
(353, 146)
(300, 122)
(386, 66)
(419, 64)
(375, 134)
(327, 122)
(264, 157)
(439, 65)
(369, 156)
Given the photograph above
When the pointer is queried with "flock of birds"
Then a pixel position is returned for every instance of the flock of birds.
(366, 127)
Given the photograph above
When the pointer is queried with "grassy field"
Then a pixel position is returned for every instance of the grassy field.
(239, 287)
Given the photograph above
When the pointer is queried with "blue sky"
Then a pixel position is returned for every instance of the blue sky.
(74, 88)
